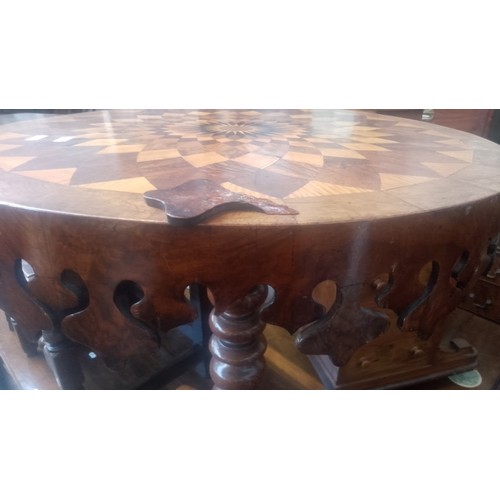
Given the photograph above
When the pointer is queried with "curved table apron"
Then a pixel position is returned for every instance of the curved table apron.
(396, 216)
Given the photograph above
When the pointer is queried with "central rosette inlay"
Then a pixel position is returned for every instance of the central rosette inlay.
(239, 129)
(231, 129)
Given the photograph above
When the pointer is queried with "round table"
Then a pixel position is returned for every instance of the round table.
(356, 232)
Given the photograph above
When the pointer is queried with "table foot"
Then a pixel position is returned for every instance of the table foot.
(238, 344)
(396, 362)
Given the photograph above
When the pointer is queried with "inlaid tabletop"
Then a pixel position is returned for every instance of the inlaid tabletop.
(326, 165)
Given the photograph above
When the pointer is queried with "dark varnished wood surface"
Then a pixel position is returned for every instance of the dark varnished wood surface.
(397, 214)
(201, 199)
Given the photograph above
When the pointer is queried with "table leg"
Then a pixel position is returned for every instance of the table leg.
(200, 301)
(62, 357)
(29, 348)
(238, 344)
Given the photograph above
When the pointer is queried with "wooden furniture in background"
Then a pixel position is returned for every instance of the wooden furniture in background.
(394, 215)
(475, 121)
(484, 298)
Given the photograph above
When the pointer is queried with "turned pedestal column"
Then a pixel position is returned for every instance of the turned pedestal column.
(238, 344)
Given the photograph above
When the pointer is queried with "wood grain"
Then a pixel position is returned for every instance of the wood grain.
(318, 161)
(199, 200)
(388, 216)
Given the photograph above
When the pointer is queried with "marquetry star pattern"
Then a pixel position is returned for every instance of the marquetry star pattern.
(273, 154)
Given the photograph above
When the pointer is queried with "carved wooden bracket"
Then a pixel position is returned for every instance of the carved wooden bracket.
(345, 328)
(198, 200)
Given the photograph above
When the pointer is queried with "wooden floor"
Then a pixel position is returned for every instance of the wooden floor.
(287, 369)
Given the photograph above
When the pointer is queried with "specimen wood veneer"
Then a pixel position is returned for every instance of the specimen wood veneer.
(398, 214)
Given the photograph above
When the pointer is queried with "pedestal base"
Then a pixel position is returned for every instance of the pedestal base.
(384, 366)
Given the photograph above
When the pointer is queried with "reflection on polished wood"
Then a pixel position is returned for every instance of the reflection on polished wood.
(398, 214)
(305, 156)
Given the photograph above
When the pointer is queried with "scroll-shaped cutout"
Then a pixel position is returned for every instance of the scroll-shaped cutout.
(325, 293)
(457, 270)
(432, 270)
(25, 275)
(27, 270)
(24, 272)
(270, 298)
(198, 200)
(73, 282)
(127, 294)
(127, 297)
(59, 352)
(487, 261)
(383, 285)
